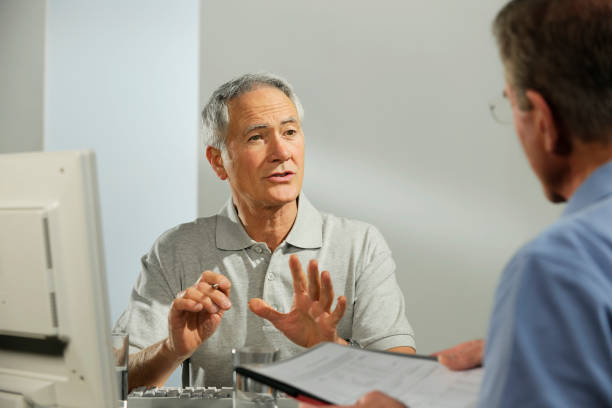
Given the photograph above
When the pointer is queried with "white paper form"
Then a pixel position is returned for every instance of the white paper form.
(342, 375)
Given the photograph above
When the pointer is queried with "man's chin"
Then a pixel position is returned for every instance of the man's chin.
(283, 194)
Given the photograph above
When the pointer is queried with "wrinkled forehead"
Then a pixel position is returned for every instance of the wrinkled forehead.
(263, 105)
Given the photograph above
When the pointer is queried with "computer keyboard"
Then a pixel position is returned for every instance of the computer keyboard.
(181, 393)
(177, 397)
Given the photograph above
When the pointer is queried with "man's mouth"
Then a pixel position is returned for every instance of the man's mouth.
(281, 176)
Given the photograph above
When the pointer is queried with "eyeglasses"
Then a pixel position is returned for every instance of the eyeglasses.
(501, 110)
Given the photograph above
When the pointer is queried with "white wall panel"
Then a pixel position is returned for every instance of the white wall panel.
(123, 79)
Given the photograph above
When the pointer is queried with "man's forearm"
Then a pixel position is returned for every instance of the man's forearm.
(152, 366)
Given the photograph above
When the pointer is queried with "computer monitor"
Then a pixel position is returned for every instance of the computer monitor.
(55, 346)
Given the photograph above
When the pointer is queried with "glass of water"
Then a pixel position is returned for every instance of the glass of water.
(121, 347)
(248, 392)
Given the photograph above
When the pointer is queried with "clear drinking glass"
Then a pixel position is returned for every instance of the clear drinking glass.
(248, 392)
(121, 346)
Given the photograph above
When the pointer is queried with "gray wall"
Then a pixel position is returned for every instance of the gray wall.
(398, 134)
(22, 57)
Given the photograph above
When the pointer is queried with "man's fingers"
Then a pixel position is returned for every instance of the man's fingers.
(212, 278)
(216, 294)
(452, 361)
(327, 291)
(376, 399)
(458, 362)
(264, 310)
(299, 280)
(220, 299)
(192, 293)
(212, 300)
(210, 306)
(186, 305)
(339, 310)
(463, 356)
(314, 281)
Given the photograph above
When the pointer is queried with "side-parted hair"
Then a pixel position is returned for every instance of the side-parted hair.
(215, 115)
(563, 50)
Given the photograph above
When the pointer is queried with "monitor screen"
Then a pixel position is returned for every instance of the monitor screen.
(55, 346)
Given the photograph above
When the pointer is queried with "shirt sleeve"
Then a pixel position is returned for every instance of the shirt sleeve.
(379, 317)
(146, 317)
(550, 338)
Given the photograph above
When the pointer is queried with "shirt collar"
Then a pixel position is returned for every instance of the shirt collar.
(230, 234)
(598, 185)
(307, 230)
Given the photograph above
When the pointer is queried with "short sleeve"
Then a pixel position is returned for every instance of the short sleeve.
(550, 340)
(379, 317)
(146, 317)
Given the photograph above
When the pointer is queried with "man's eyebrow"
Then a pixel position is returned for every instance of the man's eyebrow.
(290, 119)
(251, 128)
(255, 127)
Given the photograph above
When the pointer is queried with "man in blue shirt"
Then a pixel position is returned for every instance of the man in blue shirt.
(550, 337)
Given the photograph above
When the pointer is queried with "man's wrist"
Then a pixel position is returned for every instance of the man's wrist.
(168, 350)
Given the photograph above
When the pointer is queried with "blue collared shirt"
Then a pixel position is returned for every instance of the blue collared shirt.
(550, 336)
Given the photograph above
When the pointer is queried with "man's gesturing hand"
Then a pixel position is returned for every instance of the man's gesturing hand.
(196, 313)
(310, 320)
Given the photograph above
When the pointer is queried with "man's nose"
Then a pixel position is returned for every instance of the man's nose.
(279, 149)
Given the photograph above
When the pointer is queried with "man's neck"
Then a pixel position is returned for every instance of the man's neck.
(584, 160)
(269, 224)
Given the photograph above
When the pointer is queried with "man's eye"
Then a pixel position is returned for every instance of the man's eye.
(291, 132)
(255, 137)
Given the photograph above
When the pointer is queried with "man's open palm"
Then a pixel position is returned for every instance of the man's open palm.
(310, 320)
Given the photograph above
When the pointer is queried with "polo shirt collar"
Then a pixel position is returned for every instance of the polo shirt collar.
(307, 230)
(596, 187)
(230, 235)
(306, 233)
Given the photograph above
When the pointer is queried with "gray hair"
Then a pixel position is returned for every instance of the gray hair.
(215, 116)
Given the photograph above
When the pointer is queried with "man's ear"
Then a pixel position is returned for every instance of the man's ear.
(216, 161)
(544, 122)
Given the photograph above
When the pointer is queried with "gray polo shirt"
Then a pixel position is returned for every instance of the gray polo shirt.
(355, 254)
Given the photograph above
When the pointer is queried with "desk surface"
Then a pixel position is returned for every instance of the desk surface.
(196, 403)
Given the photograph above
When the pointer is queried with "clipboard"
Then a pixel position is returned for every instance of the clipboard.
(321, 352)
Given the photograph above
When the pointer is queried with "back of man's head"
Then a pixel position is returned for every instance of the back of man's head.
(563, 50)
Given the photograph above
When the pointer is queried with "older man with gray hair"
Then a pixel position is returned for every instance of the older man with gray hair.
(200, 279)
